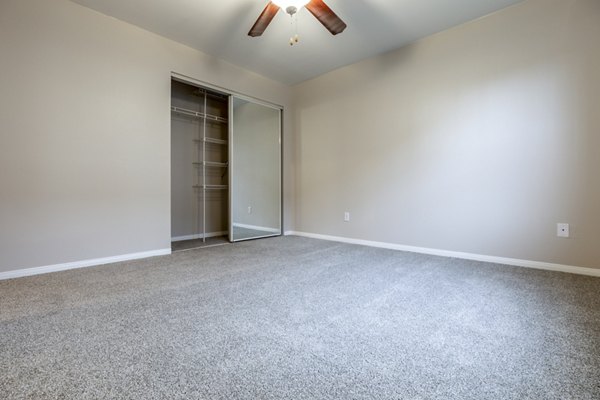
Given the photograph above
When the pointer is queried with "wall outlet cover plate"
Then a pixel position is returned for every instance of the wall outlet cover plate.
(562, 230)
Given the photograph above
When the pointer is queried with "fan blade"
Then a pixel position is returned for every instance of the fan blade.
(326, 16)
(264, 19)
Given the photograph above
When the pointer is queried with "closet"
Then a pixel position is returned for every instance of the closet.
(199, 166)
(225, 167)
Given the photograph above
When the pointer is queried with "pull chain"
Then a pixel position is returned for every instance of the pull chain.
(295, 38)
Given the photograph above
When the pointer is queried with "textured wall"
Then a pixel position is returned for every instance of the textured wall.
(478, 139)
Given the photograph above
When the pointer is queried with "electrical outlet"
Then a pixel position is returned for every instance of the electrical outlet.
(249, 209)
(562, 230)
(346, 216)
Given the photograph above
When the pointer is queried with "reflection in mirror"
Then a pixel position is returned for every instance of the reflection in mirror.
(255, 170)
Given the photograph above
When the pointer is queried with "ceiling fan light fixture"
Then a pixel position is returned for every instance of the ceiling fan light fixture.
(285, 4)
(317, 8)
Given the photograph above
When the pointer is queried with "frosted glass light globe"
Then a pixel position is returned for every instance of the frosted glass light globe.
(284, 4)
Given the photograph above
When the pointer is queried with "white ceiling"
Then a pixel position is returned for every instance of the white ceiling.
(220, 27)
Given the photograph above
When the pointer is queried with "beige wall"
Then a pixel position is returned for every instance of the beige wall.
(478, 139)
(84, 132)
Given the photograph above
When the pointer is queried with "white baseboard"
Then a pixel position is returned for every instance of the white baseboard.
(423, 250)
(198, 236)
(455, 254)
(19, 273)
(257, 228)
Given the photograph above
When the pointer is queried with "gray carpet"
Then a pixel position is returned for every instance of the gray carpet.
(296, 318)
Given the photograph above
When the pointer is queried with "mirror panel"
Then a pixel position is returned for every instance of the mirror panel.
(255, 170)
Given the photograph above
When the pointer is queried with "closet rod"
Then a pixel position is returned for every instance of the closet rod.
(201, 92)
(197, 114)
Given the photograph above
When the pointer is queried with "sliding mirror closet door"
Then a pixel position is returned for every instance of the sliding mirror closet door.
(255, 169)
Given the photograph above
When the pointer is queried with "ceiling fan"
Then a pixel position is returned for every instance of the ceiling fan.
(318, 8)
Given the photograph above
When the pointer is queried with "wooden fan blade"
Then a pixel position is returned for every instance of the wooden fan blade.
(326, 16)
(264, 19)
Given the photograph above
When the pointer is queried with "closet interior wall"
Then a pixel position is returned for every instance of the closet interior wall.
(199, 162)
